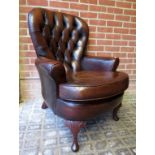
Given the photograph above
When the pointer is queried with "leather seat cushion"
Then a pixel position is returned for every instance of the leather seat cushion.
(92, 85)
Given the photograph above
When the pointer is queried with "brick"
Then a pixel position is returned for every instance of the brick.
(32, 61)
(27, 67)
(128, 37)
(89, 1)
(78, 6)
(24, 61)
(22, 2)
(95, 48)
(104, 54)
(22, 32)
(121, 43)
(110, 48)
(122, 18)
(25, 40)
(59, 4)
(121, 66)
(97, 8)
(31, 47)
(92, 28)
(97, 22)
(127, 60)
(114, 23)
(107, 2)
(88, 15)
(127, 49)
(24, 74)
(133, 19)
(92, 42)
(106, 16)
(38, 2)
(23, 24)
(134, 6)
(131, 1)
(25, 9)
(132, 43)
(104, 42)
(36, 75)
(113, 36)
(27, 54)
(119, 54)
(105, 29)
(133, 31)
(129, 25)
(132, 77)
(130, 66)
(115, 10)
(123, 4)
(23, 47)
(130, 12)
(120, 30)
(97, 35)
(131, 55)
(22, 17)
(72, 0)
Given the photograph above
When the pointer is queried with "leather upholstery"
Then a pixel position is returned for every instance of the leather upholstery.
(58, 36)
(99, 64)
(71, 81)
(54, 68)
(82, 85)
(85, 110)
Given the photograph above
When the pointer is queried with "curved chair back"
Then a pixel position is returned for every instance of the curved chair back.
(58, 36)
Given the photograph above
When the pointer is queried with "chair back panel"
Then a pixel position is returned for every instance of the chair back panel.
(59, 36)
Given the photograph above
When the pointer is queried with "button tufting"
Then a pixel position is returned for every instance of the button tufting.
(62, 32)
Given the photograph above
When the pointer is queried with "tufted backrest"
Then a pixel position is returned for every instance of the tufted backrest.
(59, 36)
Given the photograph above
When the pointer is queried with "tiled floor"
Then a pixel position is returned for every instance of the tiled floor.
(43, 133)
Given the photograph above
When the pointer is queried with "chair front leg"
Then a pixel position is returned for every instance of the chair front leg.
(115, 116)
(44, 105)
(75, 127)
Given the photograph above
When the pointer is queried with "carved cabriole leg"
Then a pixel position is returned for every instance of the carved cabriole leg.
(75, 127)
(115, 117)
(44, 105)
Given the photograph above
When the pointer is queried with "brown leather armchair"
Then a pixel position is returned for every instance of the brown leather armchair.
(75, 87)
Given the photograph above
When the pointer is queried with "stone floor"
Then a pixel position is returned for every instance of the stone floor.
(43, 133)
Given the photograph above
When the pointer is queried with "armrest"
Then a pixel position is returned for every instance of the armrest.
(53, 68)
(100, 64)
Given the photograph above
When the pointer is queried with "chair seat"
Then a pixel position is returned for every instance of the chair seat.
(92, 85)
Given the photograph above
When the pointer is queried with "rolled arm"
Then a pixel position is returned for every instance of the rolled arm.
(53, 68)
(100, 64)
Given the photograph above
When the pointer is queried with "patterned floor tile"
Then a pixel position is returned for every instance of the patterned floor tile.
(43, 133)
(30, 152)
(33, 134)
(123, 151)
(106, 153)
(115, 143)
(101, 145)
(29, 143)
(131, 141)
(49, 142)
(133, 150)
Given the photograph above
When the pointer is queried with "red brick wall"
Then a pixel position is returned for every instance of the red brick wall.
(112, 26)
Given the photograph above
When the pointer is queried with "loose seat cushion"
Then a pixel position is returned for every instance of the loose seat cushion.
(92, 85)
